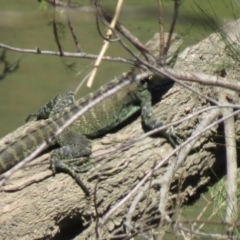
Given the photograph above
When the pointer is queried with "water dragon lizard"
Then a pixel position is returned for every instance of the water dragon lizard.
(74, 141)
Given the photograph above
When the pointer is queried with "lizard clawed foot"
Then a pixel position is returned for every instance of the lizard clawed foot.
(172, 137)
(59, 165)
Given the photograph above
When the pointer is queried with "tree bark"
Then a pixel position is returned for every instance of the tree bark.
(36, 205)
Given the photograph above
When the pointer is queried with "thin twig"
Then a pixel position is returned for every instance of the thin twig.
(81, 83)
(55, 31)
(141, 47)
(58, 3)
(231, 156)
(66, 54)
(129, 36)
(97, 230)
(106, 43)
(161, 30)
(168, 175)
(137, 199)
(203, 78)
(72, 30)
(173, 24)
(178, 74)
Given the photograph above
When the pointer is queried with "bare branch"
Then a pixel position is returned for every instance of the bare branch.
(203, 78)
(127, 34)
(62, 4)
(7, 66)
(184, 151)
(72, 30)
(231, 153)
(106, 43)
(66, 54)
(162, 56)
(55, 31)
(173, 24)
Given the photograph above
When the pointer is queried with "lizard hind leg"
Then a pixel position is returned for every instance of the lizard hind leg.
(73, 145)
(150, 123)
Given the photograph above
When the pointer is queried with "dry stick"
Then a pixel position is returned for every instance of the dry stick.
(137, 198)
(177, 210)
(66, 54)
(160, 164)
(122, 30)
(172, 77)
(81, 83)
(131, 233)
(150, 59)
(55, 30)
(97, 229)
(128, 35)
(220, 223)
(160, 73)
(7, 66)
(196, 232)
(72, 30)
(231, 155)
(161, 30)
(174, 20)
(135, 42)
(106, 43)
(136, 56)
(215, 212)
(62, 4)
(168, 176)
(100, 17)
(203, 78)
(42, 146)
(200, 215)
(206, 235)
(182, 75)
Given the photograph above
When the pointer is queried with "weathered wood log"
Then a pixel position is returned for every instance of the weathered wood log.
(36, 205)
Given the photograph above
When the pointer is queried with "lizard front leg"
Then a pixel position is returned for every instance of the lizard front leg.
(54, 106)
(72, 143)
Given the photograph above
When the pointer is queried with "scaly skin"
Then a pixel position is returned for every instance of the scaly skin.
(100, 119)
